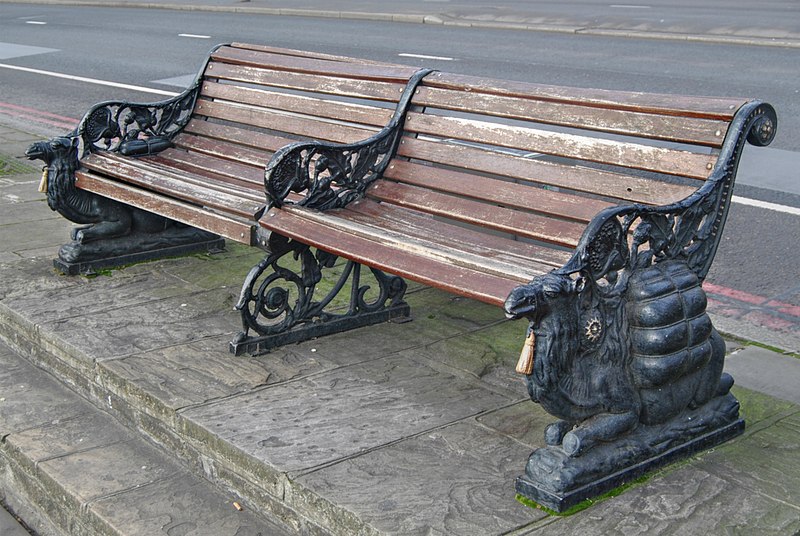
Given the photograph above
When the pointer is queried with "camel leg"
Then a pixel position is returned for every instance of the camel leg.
(601, 427)
(104, 229)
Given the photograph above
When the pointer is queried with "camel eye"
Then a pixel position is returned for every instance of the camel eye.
(550, 293)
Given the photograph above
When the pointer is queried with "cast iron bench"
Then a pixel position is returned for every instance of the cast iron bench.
(594, 214)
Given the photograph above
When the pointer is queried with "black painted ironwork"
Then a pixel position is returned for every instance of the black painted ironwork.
(278, 303)
(114, 233)
(624, 353)
(138, 129)
(330, 175)
(279, 297)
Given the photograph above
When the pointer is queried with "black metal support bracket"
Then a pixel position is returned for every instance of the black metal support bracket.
(278, 300)
(622, 350)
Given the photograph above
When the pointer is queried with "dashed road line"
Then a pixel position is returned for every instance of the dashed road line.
(425, 57)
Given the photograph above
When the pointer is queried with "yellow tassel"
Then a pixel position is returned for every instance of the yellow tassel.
(43, 182)
(525, 363)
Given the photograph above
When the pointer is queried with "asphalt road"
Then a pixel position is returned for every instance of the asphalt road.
(139, 46)
(162, 49)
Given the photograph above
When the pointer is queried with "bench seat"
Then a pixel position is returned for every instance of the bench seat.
(494, 182)
(468, 184)
(252, 100)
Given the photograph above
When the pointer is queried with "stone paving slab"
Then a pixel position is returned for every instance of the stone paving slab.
(77, 298)
(161, 508)
(9, 525)
(685, 501)
(766, 371)
(27, 399)
(17, 236)
(144, 327)
(766, 462)
(338, 414)
(453, 480)
(22, 213)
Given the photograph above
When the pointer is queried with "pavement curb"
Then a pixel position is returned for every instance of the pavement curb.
(419, 18)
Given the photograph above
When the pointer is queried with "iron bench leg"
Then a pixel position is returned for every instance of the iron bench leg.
(278, 301)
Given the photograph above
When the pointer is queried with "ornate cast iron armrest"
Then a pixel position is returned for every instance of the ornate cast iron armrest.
(135, 129)
(331, 175)
(687, 230)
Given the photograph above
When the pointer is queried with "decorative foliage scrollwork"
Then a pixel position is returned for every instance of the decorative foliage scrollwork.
(330, 175)
(624, 238)
(279, 293)
(135, 129)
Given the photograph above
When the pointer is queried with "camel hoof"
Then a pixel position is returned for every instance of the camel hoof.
(554, 433)
(571, 444)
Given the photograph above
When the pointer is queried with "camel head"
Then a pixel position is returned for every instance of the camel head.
(60, 156)
(545, 294)
(55, 149)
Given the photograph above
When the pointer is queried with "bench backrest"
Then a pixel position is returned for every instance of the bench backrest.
(538, 162)
(256, 99)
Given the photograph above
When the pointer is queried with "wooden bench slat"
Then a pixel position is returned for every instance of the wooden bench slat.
(689, 106)
(172, 184)
(665, 127)
(203, 177)
(255, 58)
(283, 123)
(604, 151)
(423, 245)
(578, 178)
(426, 227)
(238, 231)
(222, 149)
(237, 135)
(270, 100)
(532, 226)
(458, 280)
(504, 193)
(234, 171)
(347, 87)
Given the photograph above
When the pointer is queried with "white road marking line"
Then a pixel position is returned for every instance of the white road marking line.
(425, 57)
(40, 23)
(195, 36)
(765, 205)
(629, 6)
(89, 80)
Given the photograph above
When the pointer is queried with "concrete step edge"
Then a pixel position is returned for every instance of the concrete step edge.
(268, 491)
(42, 479)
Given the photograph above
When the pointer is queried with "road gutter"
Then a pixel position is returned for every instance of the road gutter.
(415, 18)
